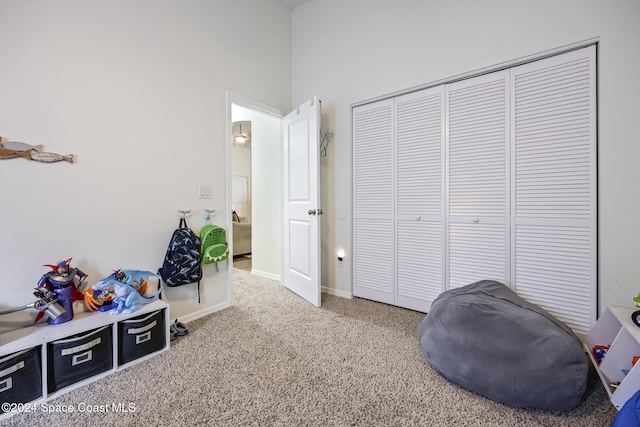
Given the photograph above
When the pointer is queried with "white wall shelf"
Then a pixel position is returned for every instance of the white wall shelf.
(43, 334)
(616, 330)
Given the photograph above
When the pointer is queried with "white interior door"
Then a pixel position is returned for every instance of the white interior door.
(301, 201)
(240, 195)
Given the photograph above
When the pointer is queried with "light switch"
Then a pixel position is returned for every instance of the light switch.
(204, 191)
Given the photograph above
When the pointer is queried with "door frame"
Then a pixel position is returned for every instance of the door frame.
(250, 104)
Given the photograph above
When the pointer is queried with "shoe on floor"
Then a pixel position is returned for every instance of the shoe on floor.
(173, 332)
(181, 328)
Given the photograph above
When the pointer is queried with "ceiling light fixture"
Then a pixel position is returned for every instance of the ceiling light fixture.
(240, 137)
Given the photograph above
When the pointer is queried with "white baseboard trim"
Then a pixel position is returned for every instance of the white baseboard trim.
(267, 275)
(201, 313)
(341, 294)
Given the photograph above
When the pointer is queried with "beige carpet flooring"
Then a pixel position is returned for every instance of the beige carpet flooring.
(274, 360)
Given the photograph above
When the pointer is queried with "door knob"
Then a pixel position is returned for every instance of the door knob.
(311, 212)
(319, 211)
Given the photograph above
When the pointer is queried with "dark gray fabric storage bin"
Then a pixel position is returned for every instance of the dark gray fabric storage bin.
(79, 357)
(140, 336)
(489, 340)
(21, 376)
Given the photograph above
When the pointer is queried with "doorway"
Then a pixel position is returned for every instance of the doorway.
(255, 186)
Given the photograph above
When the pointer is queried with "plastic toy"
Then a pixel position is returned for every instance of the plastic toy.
(61, 280)
(101, 295)
(125, 285)
(599, 352)
(127, 298)
(46, 302)
(635, 316)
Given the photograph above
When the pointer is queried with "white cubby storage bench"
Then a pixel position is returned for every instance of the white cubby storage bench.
(618, 373)
(40, 362)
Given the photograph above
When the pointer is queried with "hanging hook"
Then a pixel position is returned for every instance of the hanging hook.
(210, 213)
(184, 212)
(325, 136)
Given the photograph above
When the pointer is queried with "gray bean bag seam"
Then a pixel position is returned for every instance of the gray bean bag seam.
(542, 312)
(533, 309)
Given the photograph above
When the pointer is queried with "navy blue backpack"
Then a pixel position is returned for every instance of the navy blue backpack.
(181, 264)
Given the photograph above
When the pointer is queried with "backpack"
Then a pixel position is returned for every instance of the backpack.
(214, 243)
(181, 264)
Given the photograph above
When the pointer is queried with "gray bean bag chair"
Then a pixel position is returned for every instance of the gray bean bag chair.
(489, 340)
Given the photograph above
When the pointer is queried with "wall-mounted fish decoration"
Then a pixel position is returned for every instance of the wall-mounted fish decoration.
(13, 150)
(6, 153)
(19, 146)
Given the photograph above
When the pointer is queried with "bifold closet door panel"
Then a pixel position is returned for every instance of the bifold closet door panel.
(373, 202)
(419, 198)
(478, 172)
(554, 185)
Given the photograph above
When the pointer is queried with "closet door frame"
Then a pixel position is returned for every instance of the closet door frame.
(510, 220)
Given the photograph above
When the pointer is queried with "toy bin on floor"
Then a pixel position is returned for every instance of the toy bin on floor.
(79, 357)
(140, 336)
(21, 377)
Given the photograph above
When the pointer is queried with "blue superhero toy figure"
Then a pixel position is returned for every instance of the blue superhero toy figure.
(124, 287)
(61, 280)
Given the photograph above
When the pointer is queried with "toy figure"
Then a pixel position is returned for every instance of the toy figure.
(124, 290)
(61, 280)
(127, 298)
(599, 351)
(46, 302)
(101, 295)
(635, 316)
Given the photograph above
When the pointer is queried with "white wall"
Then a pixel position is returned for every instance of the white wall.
(350, 51)
(137, 90)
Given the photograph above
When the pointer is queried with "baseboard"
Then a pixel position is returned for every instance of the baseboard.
(267, 275)
(341, 294)
(201, 313)
(325, 290)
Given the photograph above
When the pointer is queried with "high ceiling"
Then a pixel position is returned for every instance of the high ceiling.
(291, 4)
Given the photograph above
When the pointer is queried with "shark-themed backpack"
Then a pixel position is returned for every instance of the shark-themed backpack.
(214, 243)
(181, 264)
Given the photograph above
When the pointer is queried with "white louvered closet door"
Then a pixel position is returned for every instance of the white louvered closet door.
(419, 198)
(374, 239)
(478, 172)
(554, 186)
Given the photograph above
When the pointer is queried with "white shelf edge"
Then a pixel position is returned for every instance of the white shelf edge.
(603, 378)
(42, 333)
(623, 315)
(630, 383)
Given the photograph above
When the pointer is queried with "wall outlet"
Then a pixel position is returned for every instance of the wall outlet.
(340, 261)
